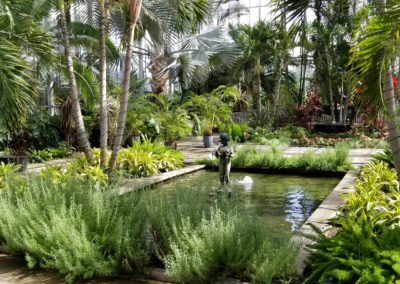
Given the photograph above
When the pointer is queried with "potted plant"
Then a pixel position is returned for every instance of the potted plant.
(207, 110)
(207, 129)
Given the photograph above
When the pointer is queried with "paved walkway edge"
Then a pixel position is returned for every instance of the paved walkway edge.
(328, 209)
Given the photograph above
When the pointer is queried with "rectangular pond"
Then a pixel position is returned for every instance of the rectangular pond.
(284, 201)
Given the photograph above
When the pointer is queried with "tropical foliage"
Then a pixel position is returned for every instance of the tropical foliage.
(365, 246)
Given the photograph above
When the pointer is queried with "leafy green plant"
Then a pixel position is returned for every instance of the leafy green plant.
(356, 254)
(365, 248)
(385, 156)
(292, 132)
(333, 159)
(220, 245)
(6, 170)
(147, 159)
(73, 227)
(48, 154)
(376, 196)
(208, 111)
(237, 132)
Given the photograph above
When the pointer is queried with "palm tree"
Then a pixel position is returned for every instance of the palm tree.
(330, 37)
(23, 44)
(193, 59)
(372, 60)
(283, 44)
(258, 46)
(134, 7)
(103, 82)
(76, 108)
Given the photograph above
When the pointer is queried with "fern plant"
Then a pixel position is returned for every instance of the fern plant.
(356, 255)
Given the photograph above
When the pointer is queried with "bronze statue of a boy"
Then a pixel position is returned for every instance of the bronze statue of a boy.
(224, 153)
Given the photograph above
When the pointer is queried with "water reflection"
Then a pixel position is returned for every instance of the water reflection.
(297, 206)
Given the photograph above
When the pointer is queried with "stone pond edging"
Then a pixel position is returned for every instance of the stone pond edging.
(132, 184)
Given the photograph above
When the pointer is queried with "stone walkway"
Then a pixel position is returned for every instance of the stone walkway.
(13, 270)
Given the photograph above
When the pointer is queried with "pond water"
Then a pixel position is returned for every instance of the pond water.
(284, 201)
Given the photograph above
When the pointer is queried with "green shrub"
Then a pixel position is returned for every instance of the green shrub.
(142, 159)
(77, 169)
(40, 130)
(147, 159)
(376, 196)
(48, 154)
(333, 159)
(356, 255)
(366, 246)
(199, 242)
(275, 261)
(385, 156)
(223, 245)
(6, 170)
(73, 227)
(166, 211)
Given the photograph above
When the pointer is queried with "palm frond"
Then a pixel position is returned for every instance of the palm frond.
(373, 53)
(87, 37)
(16, 85)
(86, 81)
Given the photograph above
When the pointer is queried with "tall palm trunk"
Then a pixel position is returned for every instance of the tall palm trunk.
(158, 83)
(103, 84)
(330, 91)
(83, 140)
(277, 86)
(259, 88)
(134, 11)
(391, 120)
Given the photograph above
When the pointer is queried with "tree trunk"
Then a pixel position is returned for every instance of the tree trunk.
(134, 11)
(346, 103)
(258, 88)
(277, 87)
(103, 84)
(158, 83)
(303, 68)
(330, 92)
(391, 120)
(83, 140)
(341, 106)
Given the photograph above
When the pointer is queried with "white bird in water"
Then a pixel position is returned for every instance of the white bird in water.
(246, 180)
(247, 183)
